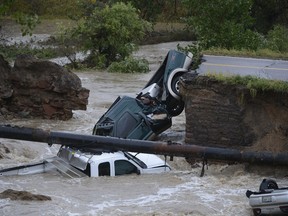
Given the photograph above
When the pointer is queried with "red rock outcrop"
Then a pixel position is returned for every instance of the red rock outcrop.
(39, 88)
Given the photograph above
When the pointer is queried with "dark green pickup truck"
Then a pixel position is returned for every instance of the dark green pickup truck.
(151, 111)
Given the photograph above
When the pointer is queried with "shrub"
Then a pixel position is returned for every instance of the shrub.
(130, 65)
(225, 24)
(110, 33)
(9, 52)
(277, 39)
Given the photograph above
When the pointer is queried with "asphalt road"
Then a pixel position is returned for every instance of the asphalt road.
(264, 68)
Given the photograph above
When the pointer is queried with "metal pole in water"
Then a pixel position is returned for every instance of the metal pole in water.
(100, 143)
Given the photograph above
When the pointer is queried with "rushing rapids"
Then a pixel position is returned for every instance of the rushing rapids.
(221, 191)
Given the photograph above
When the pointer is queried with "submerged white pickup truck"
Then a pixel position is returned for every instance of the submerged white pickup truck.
(140, 118)
(74, 163)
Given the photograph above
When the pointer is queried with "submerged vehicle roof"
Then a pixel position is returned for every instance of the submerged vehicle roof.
(142, 159)
(149, 159)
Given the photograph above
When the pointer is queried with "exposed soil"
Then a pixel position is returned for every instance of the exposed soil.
(228, 116)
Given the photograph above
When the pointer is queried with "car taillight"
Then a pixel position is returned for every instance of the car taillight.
(284, 209)
(257, 211)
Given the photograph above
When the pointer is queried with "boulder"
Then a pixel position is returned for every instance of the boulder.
(40, 88)
(23, 195)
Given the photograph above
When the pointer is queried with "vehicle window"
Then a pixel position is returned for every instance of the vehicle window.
(125, 124)
(135, 159)
(104, 169)
(87, 171)
(123, 167)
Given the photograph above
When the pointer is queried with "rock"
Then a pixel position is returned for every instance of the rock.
(4, 150)
(5, 87)
(23, 195)
(39, 88)
(224, 115)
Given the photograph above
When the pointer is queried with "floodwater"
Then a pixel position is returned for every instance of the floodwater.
(221, 191)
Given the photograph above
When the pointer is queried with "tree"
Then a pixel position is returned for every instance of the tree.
(224, 24)
(148, 9)
(269, 13)
(110, 33)
(27, 22)
(277, 39)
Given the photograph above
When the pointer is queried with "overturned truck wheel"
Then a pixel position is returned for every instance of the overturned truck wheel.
(268, 184)
(175, 107)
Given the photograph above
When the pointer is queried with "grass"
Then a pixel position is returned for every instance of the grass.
(254, 84)
(261, 53)
(9, 52)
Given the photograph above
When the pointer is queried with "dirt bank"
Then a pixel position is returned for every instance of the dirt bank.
(224, 115)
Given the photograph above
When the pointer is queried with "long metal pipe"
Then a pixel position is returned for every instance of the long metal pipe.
(96, 143)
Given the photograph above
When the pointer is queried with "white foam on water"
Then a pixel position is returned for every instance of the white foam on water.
(182, 192)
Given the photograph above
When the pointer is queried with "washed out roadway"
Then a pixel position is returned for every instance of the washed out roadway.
(263, 68)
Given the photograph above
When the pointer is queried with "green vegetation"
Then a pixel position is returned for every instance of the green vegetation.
(130, 65)
(149, 9)
(110, 30)
(259, 53)
(27, 21)
(230, 25)
(254, 84)
(224, 24)
(196, 50)
(44, 53)
(109, 34)
(277, 39)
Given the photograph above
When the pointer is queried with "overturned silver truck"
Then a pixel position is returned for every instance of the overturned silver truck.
(269, 200)
(141, 118)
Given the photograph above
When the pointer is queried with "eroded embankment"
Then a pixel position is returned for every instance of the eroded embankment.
(225, 115)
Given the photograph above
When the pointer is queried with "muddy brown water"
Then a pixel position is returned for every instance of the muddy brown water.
(221, 191)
